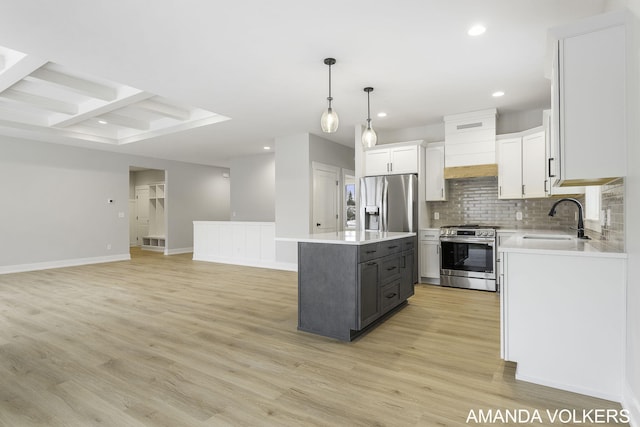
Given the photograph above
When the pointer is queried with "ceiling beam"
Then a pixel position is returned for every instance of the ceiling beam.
(128, 122)
(41, 102)
(76, 84)
(98, 110)
(164, 109)
(19, 71)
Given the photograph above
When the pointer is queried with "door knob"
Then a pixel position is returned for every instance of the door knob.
(318, 224)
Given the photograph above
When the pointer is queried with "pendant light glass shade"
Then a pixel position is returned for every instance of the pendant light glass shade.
(329, 120)
(369, 137)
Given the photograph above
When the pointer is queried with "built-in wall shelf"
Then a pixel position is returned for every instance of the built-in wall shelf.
(156, 239)
(154, 243)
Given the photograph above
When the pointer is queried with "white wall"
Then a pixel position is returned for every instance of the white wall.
(632, 203)
(253, 188)
(54, 202)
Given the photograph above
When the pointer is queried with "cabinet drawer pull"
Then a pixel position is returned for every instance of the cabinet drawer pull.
(371, 263)
(392, 268)
(390, 295)
(392, 247)
(371, 252)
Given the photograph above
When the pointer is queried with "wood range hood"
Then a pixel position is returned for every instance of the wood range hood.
(471, 171)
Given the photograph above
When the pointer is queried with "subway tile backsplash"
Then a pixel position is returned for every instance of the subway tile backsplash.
(475, 201)
(612, 205)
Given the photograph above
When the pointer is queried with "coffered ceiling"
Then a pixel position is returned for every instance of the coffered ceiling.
(156, 71)
(45, 101)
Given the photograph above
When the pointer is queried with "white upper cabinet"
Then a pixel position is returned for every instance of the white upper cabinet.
(533, 167)
(521, 166)
(510, 168)
(392, 160)
(435, 185)
(377, 162)
(588, 100)
(551, 165)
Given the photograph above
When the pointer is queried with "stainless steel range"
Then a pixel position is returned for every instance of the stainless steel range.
(468, 257)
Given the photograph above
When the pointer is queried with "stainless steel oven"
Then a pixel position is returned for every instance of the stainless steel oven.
(468, 257)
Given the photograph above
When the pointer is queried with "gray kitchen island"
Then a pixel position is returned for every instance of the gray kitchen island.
(349, 281)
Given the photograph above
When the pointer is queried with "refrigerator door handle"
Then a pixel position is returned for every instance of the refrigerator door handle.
(384, 215)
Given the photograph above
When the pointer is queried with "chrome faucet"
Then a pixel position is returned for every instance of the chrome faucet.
(580, 228)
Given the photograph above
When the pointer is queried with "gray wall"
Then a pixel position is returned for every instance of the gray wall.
(293, 181)
(328, 152)
(253, 188)
(505, 123)
(54, 201)
(293, 158)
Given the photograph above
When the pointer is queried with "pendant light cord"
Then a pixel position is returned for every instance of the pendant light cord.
(330, 98)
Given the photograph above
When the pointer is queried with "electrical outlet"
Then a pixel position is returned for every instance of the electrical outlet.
(436, 215)
(108, 246)
(518, 216)
(120, 214)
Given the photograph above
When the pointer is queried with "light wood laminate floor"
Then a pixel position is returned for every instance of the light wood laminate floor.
(166, 341)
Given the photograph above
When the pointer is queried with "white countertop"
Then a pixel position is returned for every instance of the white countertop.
(348, 237)
(557, 243)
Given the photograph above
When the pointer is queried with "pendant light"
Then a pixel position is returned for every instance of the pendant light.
(329, 121)
(369, 137)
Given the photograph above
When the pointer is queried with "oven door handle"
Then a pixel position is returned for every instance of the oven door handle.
(471, 240)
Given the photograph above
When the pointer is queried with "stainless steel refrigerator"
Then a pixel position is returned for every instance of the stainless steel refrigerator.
(389, 203)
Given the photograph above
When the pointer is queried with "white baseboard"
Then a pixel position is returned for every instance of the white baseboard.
(273, 265)
(178, 251)
(615, 397)
(21, 268)
(631, 403)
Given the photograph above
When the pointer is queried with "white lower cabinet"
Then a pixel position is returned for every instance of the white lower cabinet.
(563, 320)
(430, 255)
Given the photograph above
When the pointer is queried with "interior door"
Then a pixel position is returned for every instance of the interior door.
(142, 212)
(325, 199)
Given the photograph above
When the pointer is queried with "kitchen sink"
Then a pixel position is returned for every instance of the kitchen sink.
(547, 237)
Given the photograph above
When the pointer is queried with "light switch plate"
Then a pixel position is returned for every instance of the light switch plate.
(120, 214)
(519, 216)
(436, 215)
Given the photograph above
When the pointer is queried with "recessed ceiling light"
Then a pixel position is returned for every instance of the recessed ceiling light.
(266, 147)
(102, 122)
(382, 114)
(497, 94)
(476, 30)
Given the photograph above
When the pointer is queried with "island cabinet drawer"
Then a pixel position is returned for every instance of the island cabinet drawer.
(391, 247)
(390, 268)
(408, 244)
(390, 295)
(369, 252)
